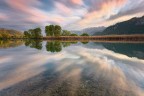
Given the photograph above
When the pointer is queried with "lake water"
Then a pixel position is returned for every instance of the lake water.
(36, 68)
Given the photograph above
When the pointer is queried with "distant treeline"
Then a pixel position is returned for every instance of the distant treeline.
(9, 33)
(50, 31)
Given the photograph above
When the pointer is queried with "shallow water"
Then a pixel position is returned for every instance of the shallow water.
(36, 68)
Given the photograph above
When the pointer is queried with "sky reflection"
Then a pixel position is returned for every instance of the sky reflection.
(76, 64)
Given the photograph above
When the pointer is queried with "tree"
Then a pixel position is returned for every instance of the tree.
(66, 33)
(51, 30)
(73, 34)
(33, 33)
(84, 34)
(57, 30)
(47, 31)
(37, 33)
(0, 36)
(26, 34)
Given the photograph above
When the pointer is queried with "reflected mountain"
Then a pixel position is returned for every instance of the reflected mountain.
(129, 49)
(10, 43)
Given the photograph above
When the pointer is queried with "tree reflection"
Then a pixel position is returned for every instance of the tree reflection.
(86, 42)
(56, 46)
(10, 43)
(37, 44)
(51, 46)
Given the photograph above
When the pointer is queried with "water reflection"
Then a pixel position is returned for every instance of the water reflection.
(129, 49)
(76, 70)
(10, 43)
(56, 46)
(51, 46)
(37, 44)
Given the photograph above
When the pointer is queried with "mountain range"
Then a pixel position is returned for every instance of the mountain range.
(90, 31)
(132, 26)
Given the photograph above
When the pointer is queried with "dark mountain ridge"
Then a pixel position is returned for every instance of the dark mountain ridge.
(132, 26)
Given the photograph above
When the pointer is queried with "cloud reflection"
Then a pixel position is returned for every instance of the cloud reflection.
(116, 72)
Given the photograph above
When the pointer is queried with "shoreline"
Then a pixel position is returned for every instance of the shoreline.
(99, 38)
(105, 38)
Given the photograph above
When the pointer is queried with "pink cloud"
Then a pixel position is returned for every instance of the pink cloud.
(32, 13)
(64, 12)
(105, 10)
(3, 16)
(23, 6)
(62, 8)
(78, 2)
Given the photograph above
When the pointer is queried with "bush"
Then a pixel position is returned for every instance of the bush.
(84, 34)
(73, 34)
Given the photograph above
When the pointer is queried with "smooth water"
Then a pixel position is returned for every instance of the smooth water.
(36, 68)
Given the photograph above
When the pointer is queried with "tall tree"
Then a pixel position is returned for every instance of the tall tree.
(47, 31)
(57, 30)
(33, 33)
(37, 33)
(51, 30)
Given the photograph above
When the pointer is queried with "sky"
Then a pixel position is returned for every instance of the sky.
(70, 14)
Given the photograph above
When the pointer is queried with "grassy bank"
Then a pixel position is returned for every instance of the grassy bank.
(102, 38)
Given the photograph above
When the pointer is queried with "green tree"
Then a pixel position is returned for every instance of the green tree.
(66, 33)
(37, 33)
(0, 36)
(57, 30)
(51, 30)
(47, 31)
(73, 34)
(33, 33)
(84, 34)
(26, 34)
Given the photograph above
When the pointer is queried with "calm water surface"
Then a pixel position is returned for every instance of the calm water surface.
(36, 68)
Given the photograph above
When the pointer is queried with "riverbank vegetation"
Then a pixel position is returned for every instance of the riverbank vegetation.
(33, 33)
(10, 34)
(55, 32)
(51, 31)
